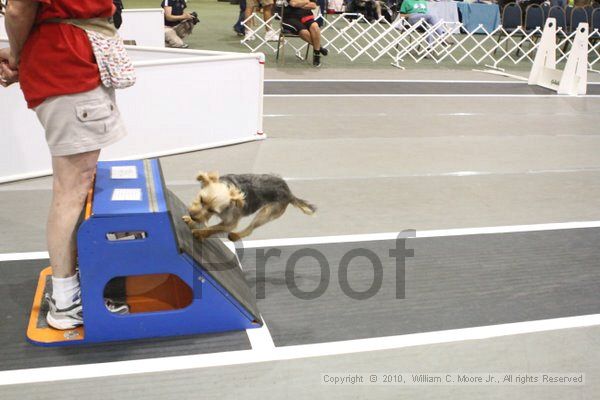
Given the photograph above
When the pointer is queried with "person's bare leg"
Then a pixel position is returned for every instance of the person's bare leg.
(305, 35)
(267, 14)
(247, 13)
(315, 34)
(72, 179)
(378, 9)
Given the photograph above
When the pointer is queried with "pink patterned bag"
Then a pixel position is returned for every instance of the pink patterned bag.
(114, 65)
(116, 69)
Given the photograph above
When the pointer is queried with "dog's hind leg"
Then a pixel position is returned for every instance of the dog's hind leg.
(266, 214)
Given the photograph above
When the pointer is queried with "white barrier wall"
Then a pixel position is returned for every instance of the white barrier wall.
(145, 26)
(184, 100)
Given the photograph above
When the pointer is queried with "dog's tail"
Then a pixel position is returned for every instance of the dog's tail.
(304, 206)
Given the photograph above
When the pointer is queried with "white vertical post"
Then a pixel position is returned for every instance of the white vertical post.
(546, 52)
(261, 85)
(574, 77)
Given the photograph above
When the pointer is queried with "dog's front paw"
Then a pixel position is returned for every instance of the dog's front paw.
(234, 237)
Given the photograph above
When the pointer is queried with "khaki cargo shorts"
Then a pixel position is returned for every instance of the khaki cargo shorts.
(81, 122)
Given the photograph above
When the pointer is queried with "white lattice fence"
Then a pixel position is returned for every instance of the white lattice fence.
(256, 29)
(518, 46)
(354, 37)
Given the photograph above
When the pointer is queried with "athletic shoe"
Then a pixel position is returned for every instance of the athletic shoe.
(66, 318)
(116, 307)
(238, 30)
(316, 59)
(323, 51)
(72, 316)
(271, 36)
(249, 36)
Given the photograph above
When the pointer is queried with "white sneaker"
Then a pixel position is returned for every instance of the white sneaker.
(271, 36)
(116, 307)
(72, 316)
(249, 36)
(66, 318)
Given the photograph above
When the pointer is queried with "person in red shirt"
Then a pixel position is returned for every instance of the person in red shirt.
(56, 68)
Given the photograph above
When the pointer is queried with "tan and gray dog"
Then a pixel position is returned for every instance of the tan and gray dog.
(232, 197)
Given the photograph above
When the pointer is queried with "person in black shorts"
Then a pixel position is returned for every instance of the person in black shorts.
(175, 16)
(298, 18)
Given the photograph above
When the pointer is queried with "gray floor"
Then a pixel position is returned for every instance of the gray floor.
(532, 161)
(379, 165)
(300, 379)
(449, 283)
(420, 88)
(455, 74)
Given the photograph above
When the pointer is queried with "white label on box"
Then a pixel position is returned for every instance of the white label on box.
(123, 172)
(127, 195)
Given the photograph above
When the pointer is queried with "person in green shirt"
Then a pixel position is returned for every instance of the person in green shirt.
(416, 10)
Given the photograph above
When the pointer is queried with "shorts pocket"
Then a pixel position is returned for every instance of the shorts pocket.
(93, 110)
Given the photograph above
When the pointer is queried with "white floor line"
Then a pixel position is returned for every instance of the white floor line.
(558, 96)
(405, 80)
(260, 338)
(389, 81)
(451, 174)
(164, 364)
(454, 114)
(370, 237)
(36, 255)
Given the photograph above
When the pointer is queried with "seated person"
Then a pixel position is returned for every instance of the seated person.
(299, 19)
(267, 8)
(178, 24)
(371, 9)
(416, 10)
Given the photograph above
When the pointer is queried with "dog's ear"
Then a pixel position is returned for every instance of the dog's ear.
(203, 178)
(213, 176)
(207, 177)
(236, 197)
